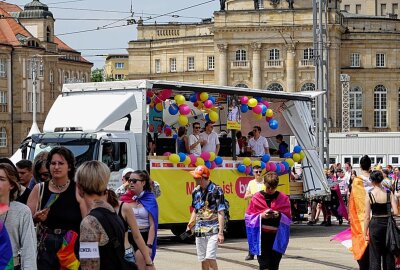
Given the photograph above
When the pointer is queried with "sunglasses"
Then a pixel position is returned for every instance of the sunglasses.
(126, 178)
(134, 180)
(257, 172)
(270, 188)
(45, 175)
(197, 127)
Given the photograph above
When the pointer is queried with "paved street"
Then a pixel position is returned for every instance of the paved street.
(309, 248)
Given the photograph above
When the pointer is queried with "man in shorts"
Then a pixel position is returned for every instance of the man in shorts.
(207, 219)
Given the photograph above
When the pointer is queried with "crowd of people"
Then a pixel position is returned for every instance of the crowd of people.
(61, 217)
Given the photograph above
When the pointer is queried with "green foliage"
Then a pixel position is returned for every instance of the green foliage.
(97, 75)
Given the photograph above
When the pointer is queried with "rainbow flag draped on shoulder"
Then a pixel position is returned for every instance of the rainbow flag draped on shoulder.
(258, 206)
(66, 254)
(6, 255)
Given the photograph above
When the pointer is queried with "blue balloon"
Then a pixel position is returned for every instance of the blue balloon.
(241, 168)
(207, 164)
(264, 109)
(262, 165)
(273, 124)
(266, 158)
(287, 155)
(182, 157)
(251, 171)
(173, 109)
(287, 167)
(207, 118)
(148, 100)
(278, 168)
(218, 160)
(297, 149)
(244, 108)
(258, 99)
(193, 98)
(213, 100)
(175, 136)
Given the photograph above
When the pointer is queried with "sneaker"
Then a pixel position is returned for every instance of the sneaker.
(249, 257)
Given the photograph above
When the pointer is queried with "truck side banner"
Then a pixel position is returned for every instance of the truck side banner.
(176, 180)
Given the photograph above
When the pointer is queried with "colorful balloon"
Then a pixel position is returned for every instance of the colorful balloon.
(265, 157)
(257, 116)
(203, 96)
(248, 170)
(208, 104)
(207, 163)
(252, 102)
(173, 109)
(205, 155)
(272, 166)
(273, 124)
(241, 168)
(187, 160)
(247, 161)
(213, 165)
(179, 99)
(287, 155)
(183, 120)
(174, 158)
(297, 149)
(256, 163)
(193, 98)
(257, 109)
(199, 161)
(184, 109)
(244, 100)
(182, 157)
(218, 160)
(212, 156)
(244, 108)
(296, 157)
(302, 154)
(193, 159)
(213, 116)
(290, 162)
(269, 113)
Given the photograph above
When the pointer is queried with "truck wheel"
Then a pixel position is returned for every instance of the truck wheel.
(178, 229)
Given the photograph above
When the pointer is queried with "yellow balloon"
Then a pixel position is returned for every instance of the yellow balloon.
(187, 160)
(246, 161)
(296, 157)
(199, 161)
(215, 109)
(256, 163)
(212, 156)
(183, 120)
(252, 102)
(203, 96)
(179, 99)
(269, 113)
(159, 107)
(174, 158)
(213, 116)
(302, 155)
(257, 116)
(290, 162)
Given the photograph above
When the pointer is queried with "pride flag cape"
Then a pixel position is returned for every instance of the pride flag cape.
(344, 237)
(6, 255)
(66, 255)
(148, 200)
(253, 213)
(342, 211)
(357, 216)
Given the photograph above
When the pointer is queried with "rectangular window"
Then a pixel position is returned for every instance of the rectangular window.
(398, 109)
(172, 65)
(355, 98)
(383, 9)
(119, 65)
(190, 63)
(3, 68)
(210, 63)
(358, 9)
(51, 77)
(380, 60)
(355, 60)
(119, 76)
(394, 160)
(30, 102)
(395, 8)
(274, 54)
(3, 101)
(347, 8)
(308, 54)
(157, 65)
(29, 69)
(380, 109)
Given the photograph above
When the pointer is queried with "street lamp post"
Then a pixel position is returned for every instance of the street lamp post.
(36, 63)
(345, 80)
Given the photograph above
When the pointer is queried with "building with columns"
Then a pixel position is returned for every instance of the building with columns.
(271, 47)
(27, 42)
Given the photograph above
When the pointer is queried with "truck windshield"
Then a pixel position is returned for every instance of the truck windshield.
(83, 147)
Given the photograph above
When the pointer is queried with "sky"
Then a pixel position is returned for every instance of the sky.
(74, 17)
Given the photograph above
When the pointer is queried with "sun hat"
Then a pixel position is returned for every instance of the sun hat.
(200, 171)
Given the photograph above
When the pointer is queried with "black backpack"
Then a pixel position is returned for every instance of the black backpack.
(114, 227)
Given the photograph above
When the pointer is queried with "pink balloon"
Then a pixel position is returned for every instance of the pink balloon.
(149, 94)
(244, 100)
(266, 103)
(283, 168)
(272, 166)
(248, 170)
(157, 99)
(193, 159)
(166, 154)
(168, 131)
(267, 167)
(184, 109)
(257, 109)
(166, 93)
(208, 104)
(205, 155)
(268, 118)
(213, 165)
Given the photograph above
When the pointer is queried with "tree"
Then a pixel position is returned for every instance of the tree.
(97, 75)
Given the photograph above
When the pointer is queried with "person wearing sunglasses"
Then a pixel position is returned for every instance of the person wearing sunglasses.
(273, 208)
(40, 171)
(195, 141)
(254, 186)
(143, 202)
(126, 173)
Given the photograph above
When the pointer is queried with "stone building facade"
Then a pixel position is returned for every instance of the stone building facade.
(271, 47)
(27, 42)
(116, 67)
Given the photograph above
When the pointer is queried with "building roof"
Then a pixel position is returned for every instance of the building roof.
(63, 46)
(35, 10)
(122, 55)
(7, 7)
(11, 32)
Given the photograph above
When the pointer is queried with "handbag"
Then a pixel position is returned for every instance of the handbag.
(40, 228)
(392, 233)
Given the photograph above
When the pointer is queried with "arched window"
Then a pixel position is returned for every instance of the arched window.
(275, 87)
(274, 54)
(3, 137)
(310, 87)
(66, 76)
(355, 98)
(380, 106)
(241, 85)
(241, 55)
(48, 34)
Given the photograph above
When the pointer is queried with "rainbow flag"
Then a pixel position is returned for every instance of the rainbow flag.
(344, 237)
(52, 199)
(6, 255)
(66, 255)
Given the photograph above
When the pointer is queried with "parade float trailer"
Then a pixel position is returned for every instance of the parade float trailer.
(88, 115)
